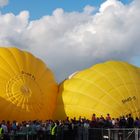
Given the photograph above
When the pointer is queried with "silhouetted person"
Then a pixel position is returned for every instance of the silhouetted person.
(130, 121)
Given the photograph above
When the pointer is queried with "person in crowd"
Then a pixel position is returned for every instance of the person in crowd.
(53, 131)
(48, 129)
(94, 117)
(108, 118)
(68, 129)
(137, 123)
(1, 133)
(122, 122)
(130, 121)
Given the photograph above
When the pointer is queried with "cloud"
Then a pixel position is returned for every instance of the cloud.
(89, 9)
(3, 3)
(71, 41)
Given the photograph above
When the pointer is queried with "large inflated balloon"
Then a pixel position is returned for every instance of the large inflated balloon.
(112, 87)
(27, 87)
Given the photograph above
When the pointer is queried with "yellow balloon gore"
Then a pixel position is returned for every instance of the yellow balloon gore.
(28, 90)
(112, 87)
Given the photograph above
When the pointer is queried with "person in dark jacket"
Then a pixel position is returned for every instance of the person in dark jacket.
(130, 121)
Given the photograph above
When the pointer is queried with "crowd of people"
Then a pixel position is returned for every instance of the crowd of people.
(69, 129)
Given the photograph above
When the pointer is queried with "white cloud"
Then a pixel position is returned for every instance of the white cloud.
(3, 3)
(68, 42)
(89, 9)
(110, 5)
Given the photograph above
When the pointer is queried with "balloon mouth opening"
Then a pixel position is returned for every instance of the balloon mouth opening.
(25, 90)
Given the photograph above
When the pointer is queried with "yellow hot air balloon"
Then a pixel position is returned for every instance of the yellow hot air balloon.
(112, 87)
(27, 87)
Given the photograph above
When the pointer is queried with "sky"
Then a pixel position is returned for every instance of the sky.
(71, 35)
(39, 8)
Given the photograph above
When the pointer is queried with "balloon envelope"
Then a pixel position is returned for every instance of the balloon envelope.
(111, 87)
(27, 87)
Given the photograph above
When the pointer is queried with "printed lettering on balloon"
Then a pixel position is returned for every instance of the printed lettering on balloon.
(28, 74)
(129, 99)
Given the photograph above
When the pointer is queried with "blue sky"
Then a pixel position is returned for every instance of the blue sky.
(39, 8)
(76, 37)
